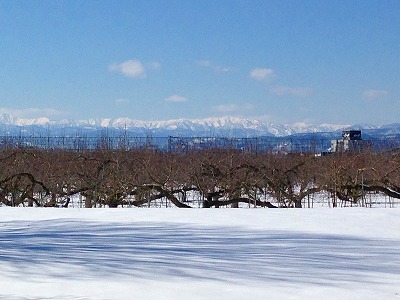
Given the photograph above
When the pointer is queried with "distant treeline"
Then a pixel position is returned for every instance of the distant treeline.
(215, 177)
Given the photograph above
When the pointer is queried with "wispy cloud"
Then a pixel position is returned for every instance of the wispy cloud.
(204, 63)
(233, 107)
(32, 112)
(130, 68)
(295, 91)
(122, 101)
(262, 74)
(154, 65)
(217, 69)
(176, 98)
(374, 94)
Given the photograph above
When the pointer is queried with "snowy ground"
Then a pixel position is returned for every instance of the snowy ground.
(351, 253)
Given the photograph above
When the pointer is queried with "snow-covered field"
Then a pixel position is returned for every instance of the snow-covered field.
(349, 253)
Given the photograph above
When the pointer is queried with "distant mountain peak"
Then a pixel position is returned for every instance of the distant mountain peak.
(227, 126)
(10, 120)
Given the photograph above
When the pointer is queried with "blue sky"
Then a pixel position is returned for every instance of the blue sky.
(277, 61)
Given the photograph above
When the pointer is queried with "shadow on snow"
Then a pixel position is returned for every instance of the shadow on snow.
(161, 251)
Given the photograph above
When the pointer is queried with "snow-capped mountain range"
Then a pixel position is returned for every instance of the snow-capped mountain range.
(224, 126)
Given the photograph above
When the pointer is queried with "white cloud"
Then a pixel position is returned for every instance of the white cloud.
(130, 68)
(262, 74)
(176, 98)
(32, 112)
(295, 91)
(217, 69)
(232, 107)
(374, 94)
